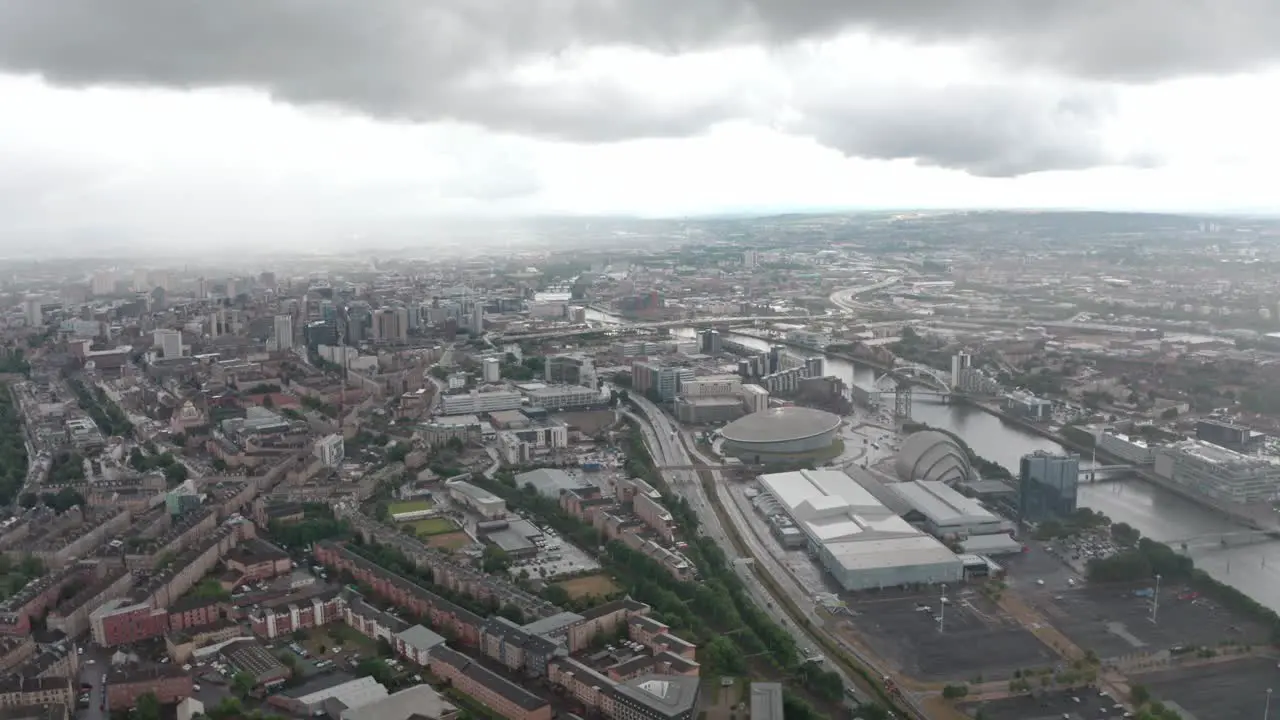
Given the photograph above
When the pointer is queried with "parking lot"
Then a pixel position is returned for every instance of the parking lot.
(1236, 689)
(1114, 621)
(1038, 570)
(973, 638)
(1083, 704)
(556, 557)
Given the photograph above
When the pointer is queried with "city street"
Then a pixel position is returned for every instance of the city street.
(93, 664)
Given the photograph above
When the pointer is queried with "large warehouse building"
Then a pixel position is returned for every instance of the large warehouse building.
(857, 539)
(784, 434)
(932, 456)
(945, 512)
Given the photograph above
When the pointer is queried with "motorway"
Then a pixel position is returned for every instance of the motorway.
(843, 299)
(587, 330)
(666, 447)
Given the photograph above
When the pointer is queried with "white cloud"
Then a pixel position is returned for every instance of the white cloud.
(849, 122)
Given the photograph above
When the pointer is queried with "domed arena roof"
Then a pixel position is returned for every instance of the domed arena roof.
(932, 455)
(780, 425)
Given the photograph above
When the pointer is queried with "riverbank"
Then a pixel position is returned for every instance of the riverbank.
(1249, 517)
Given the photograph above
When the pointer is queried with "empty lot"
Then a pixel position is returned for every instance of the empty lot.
(972, 638)
(1113, 622)
(598, 585)
(1235, 689)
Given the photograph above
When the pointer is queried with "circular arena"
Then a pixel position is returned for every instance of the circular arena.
(780, 435)
(932, 456)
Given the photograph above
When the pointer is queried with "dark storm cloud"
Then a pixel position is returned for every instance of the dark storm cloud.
(986, 131)
(427, 60)
(399, 59)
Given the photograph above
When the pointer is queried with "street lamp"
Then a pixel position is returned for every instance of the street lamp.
(1155, 600)
(1266, 709)
(942, 609)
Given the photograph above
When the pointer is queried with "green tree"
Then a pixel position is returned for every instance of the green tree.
(1139, 695)
(721, 657)
(148, 707)
(376, 669)
(242, 683)
(955, 691)
(398, 452)
(494, 560)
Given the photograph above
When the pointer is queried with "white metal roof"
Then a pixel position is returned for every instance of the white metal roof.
(891, 552)
(821, 487)
(353, 693)
(830, 506)
(998, 542)
(941, 504)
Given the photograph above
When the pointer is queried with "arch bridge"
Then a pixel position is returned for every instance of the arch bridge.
(902, 380)
(924, 375)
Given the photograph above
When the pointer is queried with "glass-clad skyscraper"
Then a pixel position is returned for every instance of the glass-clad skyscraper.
(1047, 486)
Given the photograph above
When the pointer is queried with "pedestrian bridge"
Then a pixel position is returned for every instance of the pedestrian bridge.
(1098, 473)
(1239, 538)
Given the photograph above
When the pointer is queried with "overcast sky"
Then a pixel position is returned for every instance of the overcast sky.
(288, 118)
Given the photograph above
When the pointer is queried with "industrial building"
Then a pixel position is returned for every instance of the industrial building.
(932, 456)
(754, 398)
(708, 410)
(483, 502)
(1028, 406)
(784, 434)
(480, 402)
(663, 380)
(712, 386)
(858, 540)
(945, 512)
(570, 369)
(419, 701)
(1229, 435)
(562, 396)
(550, 482)
(1126, 448)
(1219, 473)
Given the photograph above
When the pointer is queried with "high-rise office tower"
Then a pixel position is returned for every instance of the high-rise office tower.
(169, 342)
(284, 332)
(1047, 485)
(709, 342)
(33, 312)
(492, 370)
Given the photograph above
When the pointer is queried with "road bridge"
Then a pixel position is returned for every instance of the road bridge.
(843, 299)
(1098, 473)
(633, 327)
(1237, 538)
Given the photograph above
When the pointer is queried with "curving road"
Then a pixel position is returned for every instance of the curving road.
(843, 299)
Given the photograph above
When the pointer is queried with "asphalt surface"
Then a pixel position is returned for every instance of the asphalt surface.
(975, 638)
(1114, 622)
(1236, 689)
(1084, 704)
(91, 673)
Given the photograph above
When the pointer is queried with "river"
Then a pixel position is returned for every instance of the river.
(1157, 513)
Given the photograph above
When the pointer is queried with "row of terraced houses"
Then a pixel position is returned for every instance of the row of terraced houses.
(542, 649)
